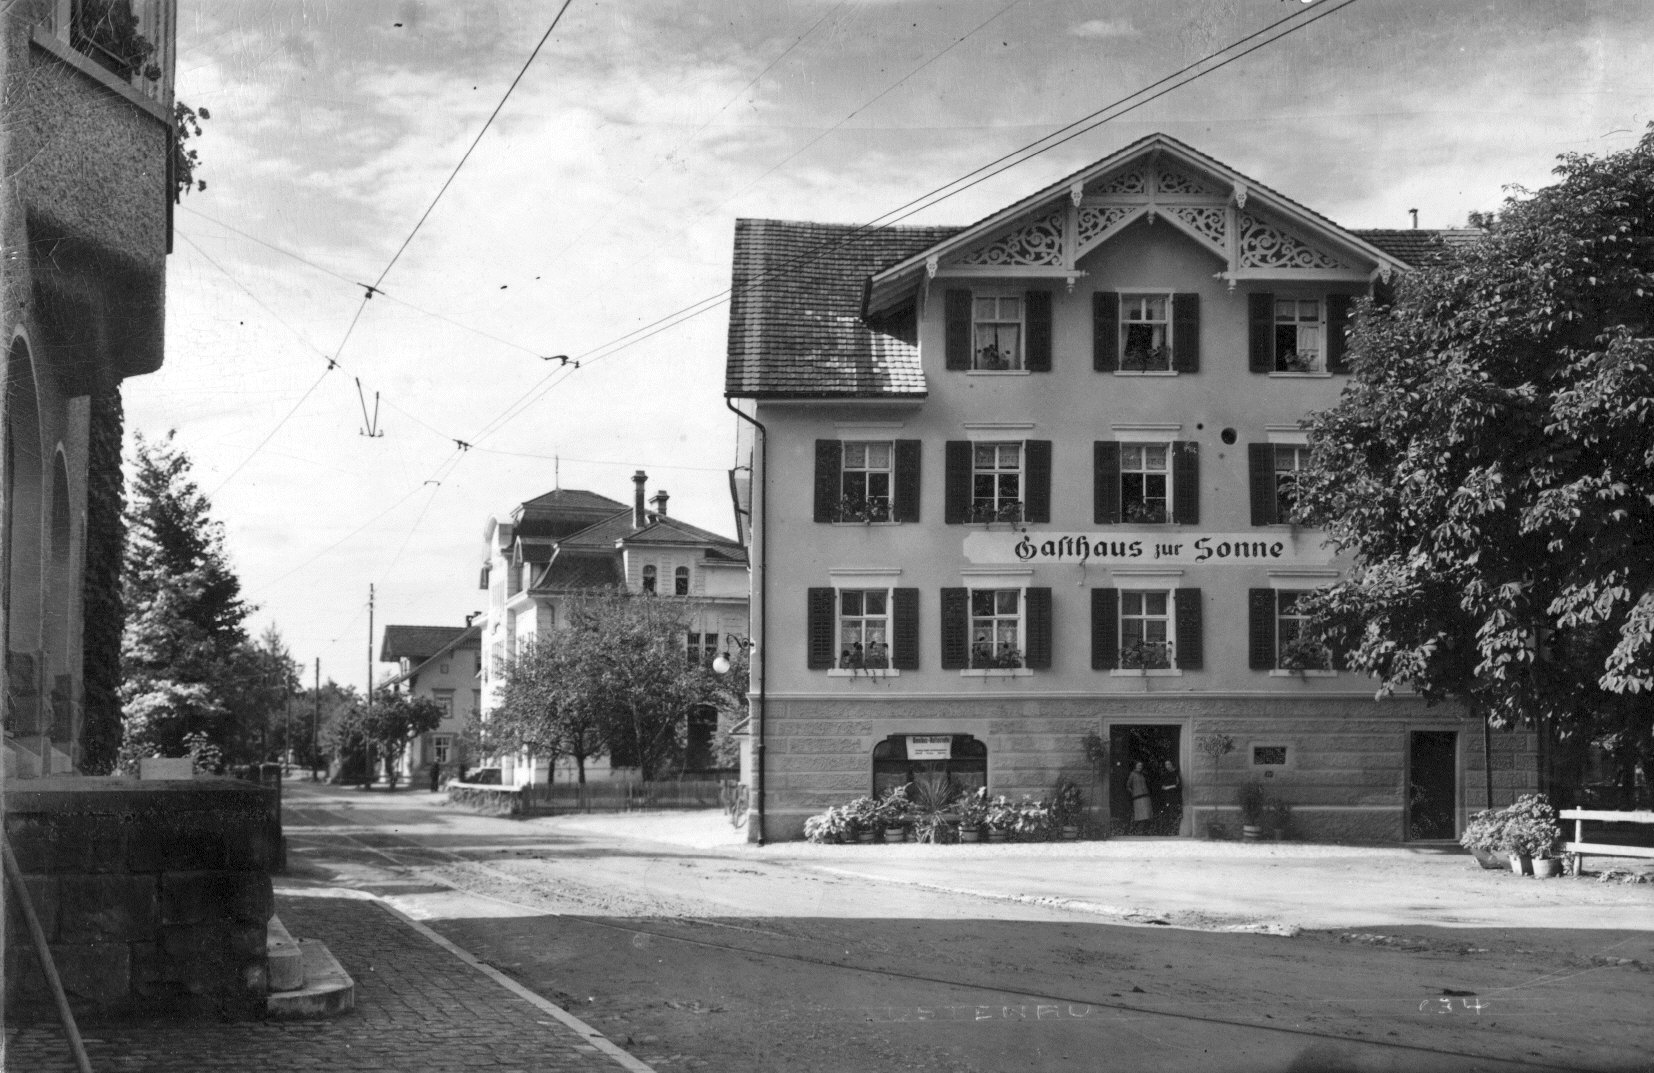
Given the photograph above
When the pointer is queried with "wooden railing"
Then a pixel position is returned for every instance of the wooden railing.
(1578, 848)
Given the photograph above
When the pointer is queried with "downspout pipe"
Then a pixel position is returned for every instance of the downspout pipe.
(763, 543)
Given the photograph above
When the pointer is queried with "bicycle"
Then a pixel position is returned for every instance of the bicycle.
(735, 799)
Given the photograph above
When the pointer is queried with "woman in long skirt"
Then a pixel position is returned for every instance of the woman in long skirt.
(1142, 804)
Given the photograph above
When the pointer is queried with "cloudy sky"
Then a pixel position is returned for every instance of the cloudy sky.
(602, 200)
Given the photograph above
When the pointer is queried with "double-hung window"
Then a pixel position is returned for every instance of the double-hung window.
(680, 581)
(441, 747)
(866, 476)
(1145, 333)
(996, 332)
(702, 647)
(1299, 331)
(1145, 483)
(996, 629)
(1275, 470)
(996, 482)
(1279, 627)
(1145, 629)
(863, 629)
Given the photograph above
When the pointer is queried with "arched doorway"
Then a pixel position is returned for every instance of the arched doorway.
(22, 540)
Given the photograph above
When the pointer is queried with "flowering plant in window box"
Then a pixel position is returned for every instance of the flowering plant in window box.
(993, 358)
(866, 511)
(1008, 511)
(1300, 654)
(1006, 659)
(1299, 361)
(1145, 359)
(875, 657)
(1145, 514)
(1146, 656)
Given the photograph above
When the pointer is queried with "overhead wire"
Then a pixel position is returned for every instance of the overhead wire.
(934, 197)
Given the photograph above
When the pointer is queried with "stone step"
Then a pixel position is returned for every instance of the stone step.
(327, 992)
(286, 961)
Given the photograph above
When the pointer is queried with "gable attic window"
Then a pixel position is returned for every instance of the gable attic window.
(997, 331)
(1145, 332)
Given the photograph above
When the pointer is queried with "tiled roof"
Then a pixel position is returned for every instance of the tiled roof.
(673, 531)
(572, 499)
(603, 534)
(795, 312)
(581, 572)
(417, 642)
(1416, 247)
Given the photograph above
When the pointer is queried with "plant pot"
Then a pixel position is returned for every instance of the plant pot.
(1492, 860)
(1521, 864)
(1547, 867)
(1251, 832)
(970, 834)
(995, 835)
(897, 834)
(864, 838)
(1070, 832)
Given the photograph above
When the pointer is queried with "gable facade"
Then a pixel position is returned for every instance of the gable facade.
(1066, 509)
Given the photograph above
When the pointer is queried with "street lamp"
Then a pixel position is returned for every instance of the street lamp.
(721, 665)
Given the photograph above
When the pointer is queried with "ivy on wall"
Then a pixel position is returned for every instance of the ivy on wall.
(104, 613)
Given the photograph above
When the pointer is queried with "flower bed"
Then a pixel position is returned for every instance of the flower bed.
(936, 816)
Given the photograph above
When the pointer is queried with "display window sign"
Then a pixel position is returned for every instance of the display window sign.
(930, 746)
(1142, 548)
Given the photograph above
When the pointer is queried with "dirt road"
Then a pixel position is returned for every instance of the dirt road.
(701, 953)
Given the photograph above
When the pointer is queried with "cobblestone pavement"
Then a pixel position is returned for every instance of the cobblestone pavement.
(419, 1009)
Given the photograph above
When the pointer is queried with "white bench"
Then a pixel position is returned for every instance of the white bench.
(1577, 849)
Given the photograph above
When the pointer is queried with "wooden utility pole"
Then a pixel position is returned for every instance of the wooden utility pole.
(316, 720)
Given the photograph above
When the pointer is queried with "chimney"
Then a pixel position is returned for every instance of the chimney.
(657, 503)
(639, 518)
(1415, 213)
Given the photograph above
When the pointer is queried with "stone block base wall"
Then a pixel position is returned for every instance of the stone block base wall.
(1345, 776)
(154, 896)
(487, 799)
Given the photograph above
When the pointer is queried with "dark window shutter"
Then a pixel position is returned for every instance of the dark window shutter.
(1105, 331)
(829, 462)
(1037, 603)
(957, 482)
(906, 507)
(820, 629)
(1191, 648)
(1186, 333)
(957, 341)
(1186, 482)
(1105, 629)
(1260, 335)
(1105, 483)
(1260, 464)
(1260, 629)
(1036, 495)
(955, 629)
(1038, 309)
(1338, 321)
(904, 631)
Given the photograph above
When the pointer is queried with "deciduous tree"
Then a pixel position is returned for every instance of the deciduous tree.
(1491, 466)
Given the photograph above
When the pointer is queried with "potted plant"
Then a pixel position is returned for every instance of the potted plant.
(933, 797)
(1067, 806)
(862, 819)
(1278, 818)
(1001, 819)
(831, 826)
(894, 814)
(1530, 831)
(1146, 655)
(1033, 821)
(1485, 839)
(1253, 800)
(973, 816)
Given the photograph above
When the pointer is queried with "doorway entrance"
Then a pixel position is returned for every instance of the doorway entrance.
(1432, 784)
(1153, 744)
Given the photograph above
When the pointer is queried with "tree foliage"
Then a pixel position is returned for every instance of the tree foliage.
(1491, 465)
(538, 709)
(382, 734)
(184, 610)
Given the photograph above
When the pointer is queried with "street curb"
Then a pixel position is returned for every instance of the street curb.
(592, 1036)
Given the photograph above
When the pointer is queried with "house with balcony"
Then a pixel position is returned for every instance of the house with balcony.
(557, 547)
(442, 664)
(1030, 480)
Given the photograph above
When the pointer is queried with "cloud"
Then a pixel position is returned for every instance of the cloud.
(1099, 28)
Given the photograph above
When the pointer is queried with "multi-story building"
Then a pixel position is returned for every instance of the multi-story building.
(86, 149)
(1030, 479)
(443, 664)
(566, 543)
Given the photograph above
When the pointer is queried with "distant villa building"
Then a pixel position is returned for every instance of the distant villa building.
(441, 663)
(569, 542)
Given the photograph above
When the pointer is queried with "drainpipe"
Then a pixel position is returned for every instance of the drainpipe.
(763, 604)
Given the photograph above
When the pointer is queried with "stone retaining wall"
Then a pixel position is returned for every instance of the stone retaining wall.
(154, 896)
(487, 798)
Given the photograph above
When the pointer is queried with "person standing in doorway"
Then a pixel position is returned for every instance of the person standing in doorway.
(1142, 804)
(1171, 799)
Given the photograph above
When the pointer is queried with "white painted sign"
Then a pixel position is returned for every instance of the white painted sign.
(930, 746)
(1189, 547)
